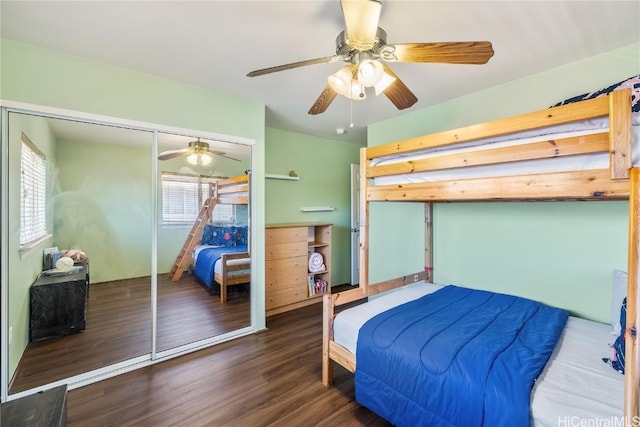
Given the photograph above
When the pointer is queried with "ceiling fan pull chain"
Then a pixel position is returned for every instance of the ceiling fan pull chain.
(351, 102)
(351, 112)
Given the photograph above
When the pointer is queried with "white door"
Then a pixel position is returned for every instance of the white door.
(355, 224)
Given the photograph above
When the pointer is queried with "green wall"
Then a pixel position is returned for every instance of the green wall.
(48, 78)
(562, 253)
(24, 267)
(104, 207)
(323, 166)
(558, 253)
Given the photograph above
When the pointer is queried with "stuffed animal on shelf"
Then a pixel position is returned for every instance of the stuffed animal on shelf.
(74, 254)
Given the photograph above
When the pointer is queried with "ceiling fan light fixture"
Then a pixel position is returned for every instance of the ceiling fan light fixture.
(340, 81)
(385, 81)
(193, 158)
(199, 159)
(344, 83)
(205, 159)
(370, 72)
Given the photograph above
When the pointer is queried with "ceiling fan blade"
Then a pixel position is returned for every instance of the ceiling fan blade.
(475, 52)
(398, 92)
(172, 154)
(361, 18)
(221, 154)
(326, 59)
(323, 101)
(230, 158)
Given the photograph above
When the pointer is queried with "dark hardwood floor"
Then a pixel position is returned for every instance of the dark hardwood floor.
(272, 378)
(119, 327)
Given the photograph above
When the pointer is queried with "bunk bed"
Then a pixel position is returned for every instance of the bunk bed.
(218, 254)
(220, 263)
(521, 158)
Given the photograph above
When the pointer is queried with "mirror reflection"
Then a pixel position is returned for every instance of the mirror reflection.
(79, 247)
(203, 239)
(80, 243)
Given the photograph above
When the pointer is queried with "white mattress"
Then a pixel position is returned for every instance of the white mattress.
(575, 385)
(571, 163)
(347, 323)
(217, 268)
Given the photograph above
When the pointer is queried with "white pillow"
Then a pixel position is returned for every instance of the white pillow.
(619, 292)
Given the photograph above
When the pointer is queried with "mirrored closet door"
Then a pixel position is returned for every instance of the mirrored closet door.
(96, 215)
(81, 191)
(204, 274)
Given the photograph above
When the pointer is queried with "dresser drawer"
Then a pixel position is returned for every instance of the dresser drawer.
(282, 297)
(285, 250)
(286, 273)
(284, 235)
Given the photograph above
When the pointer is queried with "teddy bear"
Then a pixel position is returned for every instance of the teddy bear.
(74, 254)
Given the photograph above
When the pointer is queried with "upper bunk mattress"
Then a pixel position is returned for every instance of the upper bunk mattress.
(558, 164)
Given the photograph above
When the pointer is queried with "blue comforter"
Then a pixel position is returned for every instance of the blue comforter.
(457, 357)
(206, 261)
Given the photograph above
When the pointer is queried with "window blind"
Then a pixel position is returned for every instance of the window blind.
(183, 197)
(33, 223)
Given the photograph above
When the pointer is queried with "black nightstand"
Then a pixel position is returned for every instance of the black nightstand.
(58, 305)
(43, 409)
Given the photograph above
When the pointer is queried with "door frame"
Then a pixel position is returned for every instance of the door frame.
(354, 230)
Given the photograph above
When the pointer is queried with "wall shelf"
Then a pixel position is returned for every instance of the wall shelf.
(285, 177)
(317, 209)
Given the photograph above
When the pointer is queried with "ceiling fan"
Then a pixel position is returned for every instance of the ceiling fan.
(363, 46)
(198, 153)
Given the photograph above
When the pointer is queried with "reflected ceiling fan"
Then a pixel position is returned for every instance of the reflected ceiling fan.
(363, 46)
(198, 153)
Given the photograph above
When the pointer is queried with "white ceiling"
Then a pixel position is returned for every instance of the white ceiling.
(214, 44)
(92, 133)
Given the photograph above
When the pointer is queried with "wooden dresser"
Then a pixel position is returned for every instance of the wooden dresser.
(289, 283)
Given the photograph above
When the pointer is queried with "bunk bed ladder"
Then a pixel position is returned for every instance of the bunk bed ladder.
(192, 240)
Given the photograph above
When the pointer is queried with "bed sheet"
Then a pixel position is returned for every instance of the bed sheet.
(207, 257)
(217, 268)
(575, 384)
(348, 322)
(575, 163)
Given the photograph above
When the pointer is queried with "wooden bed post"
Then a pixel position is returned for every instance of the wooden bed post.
(428, 240)
(364, 223)
(620, 133)
(632, 355)
(620, 161)
(327, 336)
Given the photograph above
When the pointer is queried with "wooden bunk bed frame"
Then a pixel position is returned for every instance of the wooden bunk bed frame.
(619, 181)
(230, 191)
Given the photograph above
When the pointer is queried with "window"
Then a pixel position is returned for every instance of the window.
(224, 213)
(184, 195)
(33, 221)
